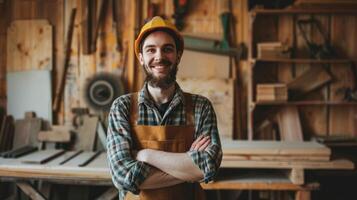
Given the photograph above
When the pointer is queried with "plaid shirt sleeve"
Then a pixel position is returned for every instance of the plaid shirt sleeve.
(127, 173)
(206, 124)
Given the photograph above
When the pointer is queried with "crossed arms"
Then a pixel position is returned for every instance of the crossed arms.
(171, 168)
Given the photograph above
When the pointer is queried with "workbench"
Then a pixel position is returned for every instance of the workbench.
(96, 172)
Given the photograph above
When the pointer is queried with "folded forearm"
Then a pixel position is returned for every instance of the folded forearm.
(179, 165)
(159, 179)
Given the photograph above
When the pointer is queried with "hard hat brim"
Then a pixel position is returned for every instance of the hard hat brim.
(177, 36)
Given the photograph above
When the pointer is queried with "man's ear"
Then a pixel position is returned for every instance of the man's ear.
(179, 55)
(141, 59)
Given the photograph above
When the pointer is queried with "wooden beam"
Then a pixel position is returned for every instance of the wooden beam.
(289, 124)
(110, 194)
(303, 195)
(334, 164)
(54, 136)
(30, 191)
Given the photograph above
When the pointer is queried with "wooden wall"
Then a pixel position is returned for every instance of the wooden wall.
(337, 119)
(202, 19)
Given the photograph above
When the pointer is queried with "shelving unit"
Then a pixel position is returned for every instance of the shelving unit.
(272, 25)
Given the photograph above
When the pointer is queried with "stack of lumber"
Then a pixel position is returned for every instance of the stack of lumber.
(271, 50)
(291, 155)
(272, 92)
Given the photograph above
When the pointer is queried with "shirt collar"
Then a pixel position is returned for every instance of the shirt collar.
(144, 96)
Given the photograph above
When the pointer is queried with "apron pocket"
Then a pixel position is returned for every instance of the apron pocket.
(165, 145)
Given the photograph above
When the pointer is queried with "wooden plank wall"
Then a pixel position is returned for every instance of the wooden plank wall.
(317, 119)
(202, 18)
(3, 23)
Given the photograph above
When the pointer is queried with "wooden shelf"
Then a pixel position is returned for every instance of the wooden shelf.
(303, 60)
(302, 11)
(306, 103)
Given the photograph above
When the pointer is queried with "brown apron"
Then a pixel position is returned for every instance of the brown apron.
(168, 138)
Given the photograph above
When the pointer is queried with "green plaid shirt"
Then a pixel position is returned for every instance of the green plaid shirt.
(128, 173)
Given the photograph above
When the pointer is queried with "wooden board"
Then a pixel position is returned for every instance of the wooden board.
(276, 157)
(222, 99)
(257, 182)
(333, 164)
(63, 158)
(196, 64)
(310, 80)
(30, 191)
(86, 136)
(26, 131)
(289, 124)
(342, 118)
(36, 87)
(15, 168)
(80, 159)
(240, 147)
(100, 161)
(42, 156)
(54, 136)
(29, 45)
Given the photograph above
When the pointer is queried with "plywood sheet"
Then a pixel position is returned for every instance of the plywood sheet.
(334, 164)
(29, 45)
(29, 91)
(289, 124)
(220, 93)
(86, 135)
(196, 64)
(43, 156)
(80, 159)
(241, 147)
(100, 161)
(26, 131)
(276, 157)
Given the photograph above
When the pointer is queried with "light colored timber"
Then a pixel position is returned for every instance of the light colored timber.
(30, 191)
(257, 182)
(333, 164)
(275, 158)
(41, 156)
(243, 147)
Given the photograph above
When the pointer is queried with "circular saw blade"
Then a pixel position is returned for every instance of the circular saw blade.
(101, 90)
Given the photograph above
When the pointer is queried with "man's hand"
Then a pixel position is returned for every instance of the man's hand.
(201, 143)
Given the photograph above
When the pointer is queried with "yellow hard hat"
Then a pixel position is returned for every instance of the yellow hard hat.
(158, 23)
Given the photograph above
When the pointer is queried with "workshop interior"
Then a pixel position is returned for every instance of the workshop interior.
(281, 76)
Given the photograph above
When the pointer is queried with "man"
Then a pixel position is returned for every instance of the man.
(161, 139)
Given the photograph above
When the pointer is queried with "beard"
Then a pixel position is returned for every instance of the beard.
(161, 82)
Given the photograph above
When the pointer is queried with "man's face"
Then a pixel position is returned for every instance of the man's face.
(159, 58)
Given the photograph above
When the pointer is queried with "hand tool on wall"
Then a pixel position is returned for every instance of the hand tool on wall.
(319, 51)
(117, 15)
(59, 93)
(180, 10)
(100, 18)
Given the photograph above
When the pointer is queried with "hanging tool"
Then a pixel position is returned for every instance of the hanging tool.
(180, 10)
(59, 93)
(319, 51)
(98, 23)
(117, 15)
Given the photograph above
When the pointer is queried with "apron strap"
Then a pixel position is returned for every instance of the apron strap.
(190, 117)
(134, 108)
